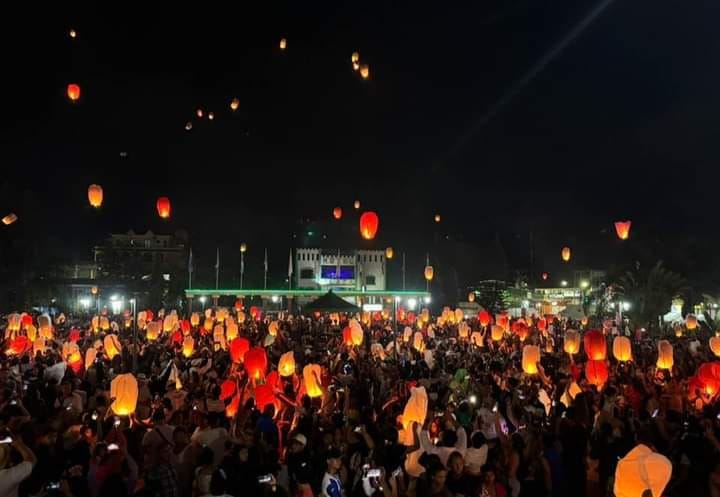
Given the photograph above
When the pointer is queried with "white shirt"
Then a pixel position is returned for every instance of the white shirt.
(444, 452)
(11, 478)
(475, 459)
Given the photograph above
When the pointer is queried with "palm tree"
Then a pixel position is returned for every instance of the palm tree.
(650, 293)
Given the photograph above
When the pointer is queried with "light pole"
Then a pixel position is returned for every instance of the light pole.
(133, 305)
(243, 249)
(203, 298)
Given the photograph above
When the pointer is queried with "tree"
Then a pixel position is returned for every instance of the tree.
(649, 293)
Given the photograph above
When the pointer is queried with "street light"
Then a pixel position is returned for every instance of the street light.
(584, 284)
(563, 283)
(202, 301)
(427, 300)
(412, 304)
(626, 306)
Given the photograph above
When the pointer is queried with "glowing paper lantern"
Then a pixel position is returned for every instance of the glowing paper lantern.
(185, 326)
(73, 92)
(715, 345)
(389, 253)
(31, 333)
(90, 356)
(565, 254)
(497, 332)
(415, 411)
(642, 470)
(104, 323)
(264, 395)
(19, 345)
(665, 355)
(255, 362)
(530, 358)
(596, 372)
(418, 341)
(691, 321)
(188, 346)
(709, 376)
(311, 377)
(503, 321)
(471, 297)
(337, 212)
(283, 43)
(356, 204)
(541, 324)
(437, 218)
(429, 273)
(572, 342)
(234, 104)
(227, 389)
(195, 319)
(622, 349)
(255, 313)
(355, 57)
(286, 365)
(369, 223)
(95, 195)
(208, 324)
(163, 207)
(484, 318)
(364, 71)
(595, 345)
(45, 326)
(622, 229)
(273, 328)
(544, 276)
(231, 331)
(124, 389)
(520, 328)
(72, 33)
(9, 219)
(584, 320)
(112, 346)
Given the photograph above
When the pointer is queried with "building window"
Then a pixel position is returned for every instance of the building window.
(147, 243)
(307, 274)
(370, 279)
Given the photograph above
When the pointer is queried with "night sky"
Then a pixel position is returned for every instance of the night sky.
(621, 124)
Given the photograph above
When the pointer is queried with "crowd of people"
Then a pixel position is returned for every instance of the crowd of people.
(489, 429)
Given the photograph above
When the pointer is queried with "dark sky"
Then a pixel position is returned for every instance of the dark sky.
(622, 124)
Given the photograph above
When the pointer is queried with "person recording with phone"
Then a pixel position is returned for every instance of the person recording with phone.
(12, 476)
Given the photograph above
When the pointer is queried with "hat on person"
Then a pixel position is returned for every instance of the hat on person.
(4, 455)
(300, 438)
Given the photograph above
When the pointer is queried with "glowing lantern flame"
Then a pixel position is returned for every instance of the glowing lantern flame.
(283, 43)
(95, 195)
(530, 358)
(595, 345)
(484, 318)
(9, 219)
(311, 376)
(286, 366)
(572, 342)
(364, 71)
(437, 218)
(337, 212)
(429, 273)
(234, 104)
(622, 349)
(471, 297)
(565, 254)
(369, 223)
(356, 204)
(163, 207)
(73, 92)
(622, 229)
(691, 322)
(596, 372)
(389, 253)
(355, 57)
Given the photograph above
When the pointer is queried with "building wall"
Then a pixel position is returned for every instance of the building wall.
(134, 253)
(317, 268)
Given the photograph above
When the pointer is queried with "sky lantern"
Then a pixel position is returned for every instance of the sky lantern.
(26, 320)
(622, 349)
(31, 332)
(188, 126)
(415, 411)
(565, 254)
(437, 218)
(195, 319)
(596, 372)
(418, 341)
(595, 345)
(640, 471)
(484, 318)
(188, 346)
(208, 324)
(709, 377)
(369, 223)
(389, 253)
(124, 389)
(530, 358)
(152, 331)
(73, 92)
(163, 207)
(471, 297)
(691, 321)
(255, 363)
(185, 326)
(355, 57)
(286, 365)
(199, 113)
(234, 104)
(364, 71)
(95, 195)
(283, 43)
(264, 395)
(584, 320)
(715, 345)
(503, 321)
(19, 345)
(273, 328)
(356, 204)
(9, 219)
(622, 229)
(520, 328)
(72, 33)
(544, 276)
(337, 212)
(211, 116)
(231, 330)
(497, 332)
(572, 342)
(541, 324)
(227, 389)
(311, 376)
(429, 273)
(112, 346)
(665, 355)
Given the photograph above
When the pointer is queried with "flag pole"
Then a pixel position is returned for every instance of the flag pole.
(217, 269)
(266, 270)
(190, 270)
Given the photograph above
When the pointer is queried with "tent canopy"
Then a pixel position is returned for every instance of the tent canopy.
(329, 303)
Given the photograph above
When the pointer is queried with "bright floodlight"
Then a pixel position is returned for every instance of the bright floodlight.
(563, 283)
(412, 304)
(584, 284)
(116, 306)
(203, 299)
(85, 302)
(275, 298)
(113, 298)
(626, 306)
(427, 300)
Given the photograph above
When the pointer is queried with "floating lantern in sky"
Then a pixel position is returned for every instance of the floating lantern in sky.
(95, 195)
(364, 71)
(622, 228)
(544, 276)
(124, 389)
(72, 33)
(356, 66)
(596, 372)
(286, 365)
(565, 254)
(369, 223)
(691, 321)
(355, 57)
(389, 253)
(665, 355)
(199, 113)
(484, 318)
(622, 350)
(211, 115)
(437, 218)
(73, 92)
(595, 345)
(356, 204)
(9, 219)
(471, 297)
(530, 358)
(163, 207)
(188, 126)
(572, 342)
(429, 273)
(243, 247)
(283, 43)
(337, 212)
(234, 104)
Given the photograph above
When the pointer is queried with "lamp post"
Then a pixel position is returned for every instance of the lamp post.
(243, 249)
(203, 298)
(133, 305)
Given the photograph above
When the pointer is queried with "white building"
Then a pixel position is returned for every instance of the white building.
(327, 269)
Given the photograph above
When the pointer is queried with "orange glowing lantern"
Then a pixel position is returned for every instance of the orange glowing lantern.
(565, 254)
(418, 341)
(520, 328)
(124, 389)
(337, 212)
(541, 324)
(163, 207)
(530, 358)
(188, 346)
(255, 363)
(437, 218)
(642, 472)
(584, 320)
(622, 229)
(484, 318)
(596, 372)
(9, 219)
(19, 345)
(234, 104)
(572, 342)
(286, 365)
(195, 319)
(665, 355)
(112, 346)
(415, 411)
(255, 313)
(497, 332)
(715, 345)
(389, 253)
(595, 345)
(471, 297)
(355, 57)
(264, 395)
(369, 223)
(283, 43)
(364, 71)
(503, 321)
(311, 376)
(622, 349)
(185, 326)
(232, 409)
(227, 389)
(90, 356)
(95, 195)
(691, 321)
(429, 273)
(73, 92)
